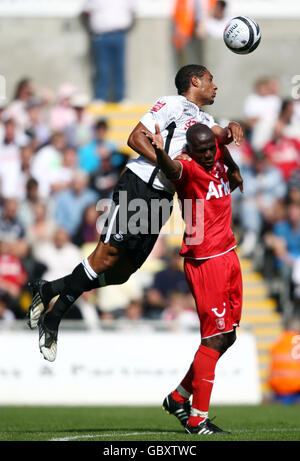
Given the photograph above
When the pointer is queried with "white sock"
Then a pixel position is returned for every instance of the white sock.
(89, 270)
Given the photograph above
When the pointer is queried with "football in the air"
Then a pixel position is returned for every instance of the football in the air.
(242, 35)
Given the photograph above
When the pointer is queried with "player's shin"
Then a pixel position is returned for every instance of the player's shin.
(82, 279)
(54, 288)
(203, 379)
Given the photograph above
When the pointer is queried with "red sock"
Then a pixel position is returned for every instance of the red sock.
(195, 420)
(178, 397)
(204, 365)
(186, 383)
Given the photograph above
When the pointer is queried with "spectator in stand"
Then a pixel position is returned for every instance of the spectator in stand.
(17, 108)
(106, 177)
(165, 282)
(11, 231)
(242, 154)
(285, 243)
(7, 316)
(57, 254)
(87, 232)
(26, 206)
(10, 156)
(134, 310)
(47, 161)
(108, 24)
(43, 227)
(26, 159)
(189, 19)
(80, 132)
(63, 115)
(261, 110)
(286, 236)
(180, 311)
(284, 151)
(284, 378)
(217, 20)
(12, 276)
(90, 154)
(263, 188)
(61, 177)
(294, 187)
(37, 129)
(70, 204)
(284, 122)
(296, 115)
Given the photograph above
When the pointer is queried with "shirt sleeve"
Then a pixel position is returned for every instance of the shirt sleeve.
(220, 152)
(162, 112)
(211, 121)
(186, 172)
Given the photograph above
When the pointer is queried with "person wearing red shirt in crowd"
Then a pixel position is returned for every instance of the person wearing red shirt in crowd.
(211, 266)
(284, 149)
(285, 154)
(12, 275)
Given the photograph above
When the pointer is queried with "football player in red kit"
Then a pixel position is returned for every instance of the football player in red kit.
(211, 265)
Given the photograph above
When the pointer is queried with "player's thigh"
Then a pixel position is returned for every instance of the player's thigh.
(236, 288)
(209, 281)
(136, 217)
(104, 257)
(115, 262)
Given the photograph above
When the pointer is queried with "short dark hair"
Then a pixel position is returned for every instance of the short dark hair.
(32, 182)
(101, 123)
(222, 4)
(185, 74)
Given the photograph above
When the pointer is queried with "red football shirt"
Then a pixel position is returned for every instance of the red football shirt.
(285, 154)
(206, 208)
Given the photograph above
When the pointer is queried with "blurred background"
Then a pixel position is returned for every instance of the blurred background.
(68, 100)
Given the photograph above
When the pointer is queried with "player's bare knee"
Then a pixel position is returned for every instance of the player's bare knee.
(227, 340)
(231, 338)
(103, 258)
(220, 343)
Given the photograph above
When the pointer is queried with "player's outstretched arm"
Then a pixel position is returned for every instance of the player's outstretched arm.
(233, 132)
(233, 173)
(138, 142)
(169, 167)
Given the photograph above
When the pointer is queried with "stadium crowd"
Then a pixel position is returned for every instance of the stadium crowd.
(56, 162)
(268, 213)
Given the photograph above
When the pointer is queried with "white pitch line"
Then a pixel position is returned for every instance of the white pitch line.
(274, 429)
(90, 436)
(129, 434)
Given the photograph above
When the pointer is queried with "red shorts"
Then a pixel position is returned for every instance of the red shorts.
(217, 287)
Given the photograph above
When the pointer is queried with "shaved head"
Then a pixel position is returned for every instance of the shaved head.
(201, 143)
(199, 132)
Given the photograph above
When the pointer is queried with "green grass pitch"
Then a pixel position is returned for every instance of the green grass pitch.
(246, 423)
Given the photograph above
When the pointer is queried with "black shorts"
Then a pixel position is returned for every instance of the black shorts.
(136, 217)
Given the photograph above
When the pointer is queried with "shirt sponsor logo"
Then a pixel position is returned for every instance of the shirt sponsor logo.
(215, 310)
(219, 190)
(220, 322)
(159, 105)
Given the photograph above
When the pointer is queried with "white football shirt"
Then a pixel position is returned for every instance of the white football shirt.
(174, 115)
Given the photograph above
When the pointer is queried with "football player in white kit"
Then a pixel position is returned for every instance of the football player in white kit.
(121, 251)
